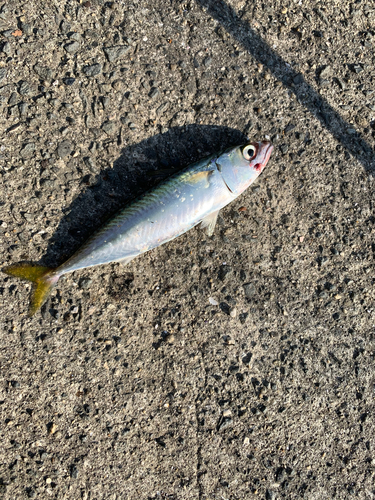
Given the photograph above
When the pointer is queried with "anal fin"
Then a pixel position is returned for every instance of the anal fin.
(209, 222)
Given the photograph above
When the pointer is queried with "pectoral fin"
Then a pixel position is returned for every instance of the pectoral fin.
(200, 177)
(210, 222)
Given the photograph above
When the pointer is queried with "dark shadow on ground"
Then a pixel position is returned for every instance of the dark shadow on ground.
(295, 82)
(138, 168)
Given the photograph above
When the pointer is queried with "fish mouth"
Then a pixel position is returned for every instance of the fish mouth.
(265, 150)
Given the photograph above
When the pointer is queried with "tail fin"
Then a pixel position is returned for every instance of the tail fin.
(41, 277)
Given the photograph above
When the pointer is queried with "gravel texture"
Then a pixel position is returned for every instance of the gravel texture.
(234, 367)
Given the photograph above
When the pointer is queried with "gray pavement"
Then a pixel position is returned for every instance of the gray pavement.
(234, 367)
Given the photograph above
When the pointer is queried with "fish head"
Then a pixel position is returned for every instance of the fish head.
(240, 166)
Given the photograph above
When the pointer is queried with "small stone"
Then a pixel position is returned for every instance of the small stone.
(27, 29)
(15, 384)
(22, 106)
(69, 81)
(65, 27)
(73, 472)
(93, 70)
(249, 290)
(118, 84)
(72, 47)
(270, 495)
(162, 108)
(326, 72)
(227, 413)
(324, 83)
(85, 283)
(357, 68)
(24, 88)
(341, 83)
(227, 422)
(3, 73)
(233, 312)
(13, 99)
(27, 150)
(213, 302)
(52, 428)
(109, 127)
(64, 149)
(207, 61)
(154, 92)
(284, 148)
(6, 48)
(43, 72)
(246, 441)
(74, 36)
(289, 127)
(115, 53)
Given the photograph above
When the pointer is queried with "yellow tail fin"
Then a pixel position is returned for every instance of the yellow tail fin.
(40, 276)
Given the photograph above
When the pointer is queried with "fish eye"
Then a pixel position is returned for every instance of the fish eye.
(249, 152)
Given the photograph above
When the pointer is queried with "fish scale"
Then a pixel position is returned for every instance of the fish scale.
(194, 195)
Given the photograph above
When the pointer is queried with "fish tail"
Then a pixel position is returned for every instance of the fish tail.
(43, 279)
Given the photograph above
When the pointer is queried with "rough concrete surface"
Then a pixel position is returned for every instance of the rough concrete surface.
(234, 367)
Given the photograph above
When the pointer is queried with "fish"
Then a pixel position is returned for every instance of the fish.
(192, 196)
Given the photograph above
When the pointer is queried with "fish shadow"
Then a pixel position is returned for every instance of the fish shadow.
(138, 168)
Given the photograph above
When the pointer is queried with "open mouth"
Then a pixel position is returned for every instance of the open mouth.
(267, 150)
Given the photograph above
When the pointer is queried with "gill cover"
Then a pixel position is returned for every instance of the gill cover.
(240, 166)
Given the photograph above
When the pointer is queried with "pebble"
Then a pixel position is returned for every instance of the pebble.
(64, 149)
(74, 36)
(85, 283)
(72, 47)
(109, 127)
(73, 472)
(8, 33)
(24, 88)
(227, 422)
(357, 68)
(6, 48)
(22, 107)
(284, 148)
(93, 70)
(162, 108)
(115, 53)
(213, 302)
(326, 72)
(69, 81)
(3, 73)
(233, 312)
(27, 150)
(43, 72)
(27, 29)
(154, 92)
(270, 495)
(13, 99)
(65, 27)
(249, 289)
